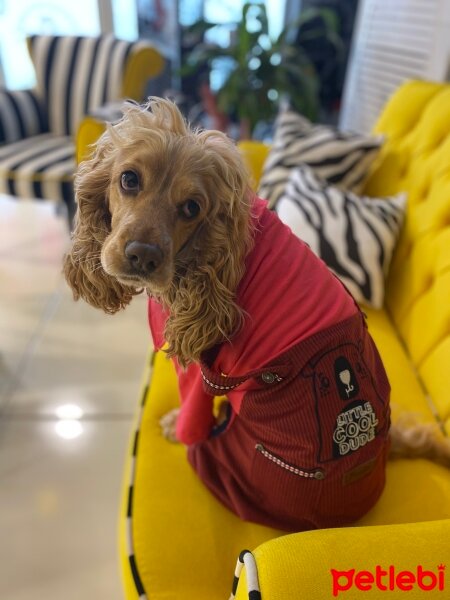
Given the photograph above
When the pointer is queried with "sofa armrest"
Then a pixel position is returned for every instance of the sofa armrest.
(144, 63)
(348, 562)
(254, 154)
(22, 115)
(93, 125)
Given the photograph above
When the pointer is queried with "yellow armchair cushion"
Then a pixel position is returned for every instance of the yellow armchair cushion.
(407, 394)
(416, 159)
(142, 65)
(254, 154)
(89, 130)
(182, 538)
(301, 566)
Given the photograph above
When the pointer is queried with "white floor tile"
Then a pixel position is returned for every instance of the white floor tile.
(60, 503)
(83, 354)
(27, 221)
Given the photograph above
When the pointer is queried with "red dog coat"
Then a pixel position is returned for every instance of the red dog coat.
(306, 440)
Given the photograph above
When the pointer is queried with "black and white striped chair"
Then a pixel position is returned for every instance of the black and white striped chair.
(75, 77)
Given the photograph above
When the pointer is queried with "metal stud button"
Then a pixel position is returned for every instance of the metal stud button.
(268, 377)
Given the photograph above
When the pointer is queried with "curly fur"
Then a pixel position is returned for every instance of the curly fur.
(412, 439)
(200, 296)
(82, 267)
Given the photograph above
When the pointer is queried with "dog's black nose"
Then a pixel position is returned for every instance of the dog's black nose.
(144, 257)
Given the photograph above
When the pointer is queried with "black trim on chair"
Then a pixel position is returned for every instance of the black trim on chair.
(91, 74)
(136, 577)
(69, 82)
(126, 50)
(48, 71)
(21, 115)
(129, 504)
(247, 559)
(17, 114)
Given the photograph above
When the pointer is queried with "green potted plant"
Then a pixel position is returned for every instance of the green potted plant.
(264, 70)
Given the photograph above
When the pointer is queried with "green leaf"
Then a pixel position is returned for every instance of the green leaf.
(262, 64)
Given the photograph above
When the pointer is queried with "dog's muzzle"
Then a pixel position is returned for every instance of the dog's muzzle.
(143, 258)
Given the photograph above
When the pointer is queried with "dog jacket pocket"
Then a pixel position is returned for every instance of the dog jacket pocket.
(300, 472)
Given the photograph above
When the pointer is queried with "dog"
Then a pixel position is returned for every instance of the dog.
(248, 313)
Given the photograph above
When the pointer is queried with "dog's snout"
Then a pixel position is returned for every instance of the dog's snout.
(144, 257)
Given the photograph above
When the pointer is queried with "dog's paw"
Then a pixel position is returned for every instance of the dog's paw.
(168, 424)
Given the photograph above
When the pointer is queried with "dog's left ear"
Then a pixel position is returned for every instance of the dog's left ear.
(228, 168)
(82, 265)
(218, 264)
(229, 220)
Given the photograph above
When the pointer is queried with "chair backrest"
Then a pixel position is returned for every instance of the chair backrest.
(416, 158)
(76, 75)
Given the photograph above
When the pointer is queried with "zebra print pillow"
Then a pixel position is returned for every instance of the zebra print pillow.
(355, 236)
(342, 159)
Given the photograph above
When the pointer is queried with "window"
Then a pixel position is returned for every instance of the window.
(19, 18)
(230, 11)
(125, 19)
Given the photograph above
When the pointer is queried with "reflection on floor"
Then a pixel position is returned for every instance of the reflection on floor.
(69, 386)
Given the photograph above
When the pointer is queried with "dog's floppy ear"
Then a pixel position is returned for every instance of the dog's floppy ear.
(229, 222)
(82, 266)
(203, 308)
(228, 170)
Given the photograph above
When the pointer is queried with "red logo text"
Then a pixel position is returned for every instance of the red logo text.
(388, 580)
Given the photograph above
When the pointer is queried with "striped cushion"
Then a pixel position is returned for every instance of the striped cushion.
(76, 75)
(355, 236)
(342, 159)
(21, 115)
(39, 167)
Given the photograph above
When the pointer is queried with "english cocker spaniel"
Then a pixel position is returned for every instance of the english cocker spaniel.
(247, 312)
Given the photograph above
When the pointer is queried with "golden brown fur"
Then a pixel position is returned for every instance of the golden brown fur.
(203, 258)
(412, 439)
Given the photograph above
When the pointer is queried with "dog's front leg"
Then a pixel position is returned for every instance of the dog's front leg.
(168, 424)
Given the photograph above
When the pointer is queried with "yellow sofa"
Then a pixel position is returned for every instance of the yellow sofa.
(178, 543)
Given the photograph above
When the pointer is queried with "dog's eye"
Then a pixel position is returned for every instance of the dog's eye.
(129, 181)
(189, 209)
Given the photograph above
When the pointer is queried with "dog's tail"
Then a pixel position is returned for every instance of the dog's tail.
(411, 439)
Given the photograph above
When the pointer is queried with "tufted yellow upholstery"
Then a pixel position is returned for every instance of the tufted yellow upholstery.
(416, 158)
(177, 541)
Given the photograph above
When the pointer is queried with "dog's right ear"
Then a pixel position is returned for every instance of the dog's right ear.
(83, 269)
